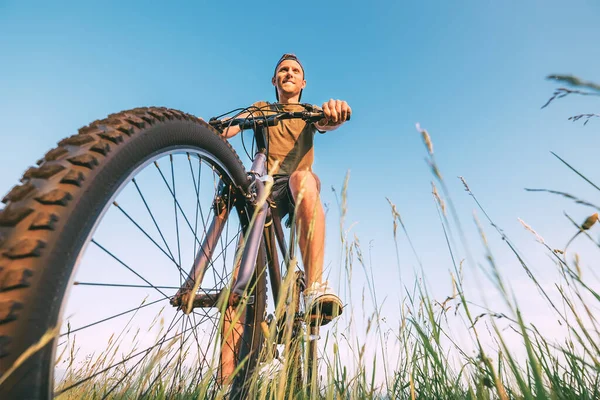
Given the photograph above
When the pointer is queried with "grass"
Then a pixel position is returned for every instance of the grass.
(432, 364)
(483, 361)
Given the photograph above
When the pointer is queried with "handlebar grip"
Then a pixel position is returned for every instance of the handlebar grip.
(323, 116)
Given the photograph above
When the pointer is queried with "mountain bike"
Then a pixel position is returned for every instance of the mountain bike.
(134, 259)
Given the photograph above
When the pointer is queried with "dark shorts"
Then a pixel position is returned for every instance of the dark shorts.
(282, 195)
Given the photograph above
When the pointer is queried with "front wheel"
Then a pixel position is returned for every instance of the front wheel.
(96, 242)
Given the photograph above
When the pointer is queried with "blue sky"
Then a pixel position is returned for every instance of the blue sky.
(471, 72)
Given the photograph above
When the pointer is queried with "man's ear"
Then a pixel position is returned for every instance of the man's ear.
(303, 84)
(273, 81)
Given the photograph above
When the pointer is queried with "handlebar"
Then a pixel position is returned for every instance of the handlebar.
(253, 121)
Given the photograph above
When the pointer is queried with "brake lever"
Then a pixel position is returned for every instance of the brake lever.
(216, 124)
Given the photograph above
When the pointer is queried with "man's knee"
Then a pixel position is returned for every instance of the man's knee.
(306, 181)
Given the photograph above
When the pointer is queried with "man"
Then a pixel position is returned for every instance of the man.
(290, 143)
(295, 188)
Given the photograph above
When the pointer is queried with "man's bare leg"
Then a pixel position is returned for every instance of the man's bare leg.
(310, 219)
(324, 304)
(231, 334)
(230, 337)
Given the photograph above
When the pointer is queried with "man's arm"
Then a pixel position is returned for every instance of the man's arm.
(336, 113)
(231, 131)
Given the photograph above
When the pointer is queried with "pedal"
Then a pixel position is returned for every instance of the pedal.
(323, 314)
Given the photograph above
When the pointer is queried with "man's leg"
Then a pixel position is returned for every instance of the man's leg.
(310, 220)
(230, 336)
(324, 304)
(231, 333)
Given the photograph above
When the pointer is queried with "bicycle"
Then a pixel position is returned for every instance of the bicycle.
(64, 214)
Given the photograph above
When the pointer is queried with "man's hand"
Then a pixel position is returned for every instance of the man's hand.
(336, 113)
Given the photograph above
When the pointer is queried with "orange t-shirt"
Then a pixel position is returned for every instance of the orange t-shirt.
(290, 142)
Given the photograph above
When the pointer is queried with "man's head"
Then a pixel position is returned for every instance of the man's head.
(288, 77)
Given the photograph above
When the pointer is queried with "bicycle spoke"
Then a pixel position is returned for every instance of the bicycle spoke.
(198, 208)
(139, 361)
(92, 376)
(222, 279)
(129, 268)
(153, 219)
(206, 317)
(181, 348)
(71, 331)
(180, 352)
(124, 285)
(220, 237)
(224, 250)
(209, 366)
(192, 330)
(175, 209)
(209, 214)
(214, 328)
(213, 331)
(197, 189)
(176, 202)
(166, 365)
(178, 265)
(111, 317)
(198, 349)
(192, 273)
(183, 213)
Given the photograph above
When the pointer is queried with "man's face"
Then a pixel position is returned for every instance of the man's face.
(289, 78)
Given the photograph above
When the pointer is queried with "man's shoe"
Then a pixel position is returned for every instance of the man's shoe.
(322, 304)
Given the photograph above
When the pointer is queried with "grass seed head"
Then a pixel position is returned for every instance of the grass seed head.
(530, 229)
(426, 138)
(590, 221)
(464, 183)
(438, 198)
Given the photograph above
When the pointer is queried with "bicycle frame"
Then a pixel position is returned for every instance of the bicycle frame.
(260, 230)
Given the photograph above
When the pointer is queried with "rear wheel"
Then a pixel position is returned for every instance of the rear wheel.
(115, 217)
